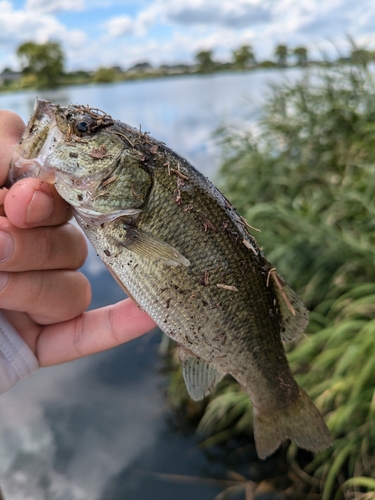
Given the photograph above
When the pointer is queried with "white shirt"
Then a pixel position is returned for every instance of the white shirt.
(17, 360)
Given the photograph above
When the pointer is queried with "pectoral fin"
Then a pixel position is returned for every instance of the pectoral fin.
(200, 377)
(97, 218)
(150, 247)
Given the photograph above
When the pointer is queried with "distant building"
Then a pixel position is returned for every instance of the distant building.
(143, 67)
(9, 76)
(175, 69)
(117, 69)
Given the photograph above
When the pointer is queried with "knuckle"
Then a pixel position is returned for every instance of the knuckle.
(83, 250)
(112, 330)
(81, 298)
(74, 295)
(77, 246)
(79, 336)
(47, 250)
(61, 247)
(59, 295)
(40, 284)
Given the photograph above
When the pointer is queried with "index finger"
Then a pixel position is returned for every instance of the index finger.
(91, 332)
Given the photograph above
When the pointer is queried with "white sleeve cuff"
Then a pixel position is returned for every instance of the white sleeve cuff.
(17, 361)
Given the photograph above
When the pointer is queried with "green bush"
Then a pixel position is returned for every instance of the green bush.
(305, 176)
(104, 75)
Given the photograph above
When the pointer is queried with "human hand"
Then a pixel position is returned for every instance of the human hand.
(41, 292)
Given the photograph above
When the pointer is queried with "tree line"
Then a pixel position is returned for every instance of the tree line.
(244, 58)
(43, 64)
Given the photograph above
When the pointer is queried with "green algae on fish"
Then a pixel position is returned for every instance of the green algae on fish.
(182, 252)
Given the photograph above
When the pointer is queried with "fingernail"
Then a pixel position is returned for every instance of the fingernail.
(6, 246)
(40, 208)
(4, 278)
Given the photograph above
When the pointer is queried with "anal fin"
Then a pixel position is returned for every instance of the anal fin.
(200, 377)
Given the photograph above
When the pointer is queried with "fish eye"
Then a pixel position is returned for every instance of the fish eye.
(82, 127)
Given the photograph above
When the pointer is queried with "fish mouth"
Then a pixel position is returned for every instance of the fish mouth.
(40, 137)
(41, 124)
(31, 159)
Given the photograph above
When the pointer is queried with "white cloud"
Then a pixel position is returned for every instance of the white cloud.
(223, 25)
(18, 26)
(152, 15)
(121, 25)
(211, 13)
(169, 31)
(242, 13)
(50, 6)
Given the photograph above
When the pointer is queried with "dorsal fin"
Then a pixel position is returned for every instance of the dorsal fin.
(294, 314)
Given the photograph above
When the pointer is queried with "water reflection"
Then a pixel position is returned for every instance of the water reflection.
(69, 429)
(184, 112)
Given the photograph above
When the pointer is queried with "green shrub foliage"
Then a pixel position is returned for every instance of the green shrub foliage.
(305, 176)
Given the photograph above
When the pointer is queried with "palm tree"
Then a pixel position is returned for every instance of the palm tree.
(359, 55)
(301, 55)
(205, 62)
(281, 52)
(243, 56)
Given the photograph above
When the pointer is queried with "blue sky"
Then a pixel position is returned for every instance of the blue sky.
(123, 32)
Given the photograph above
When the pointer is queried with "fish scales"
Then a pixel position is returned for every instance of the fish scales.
(219, 310)
(181, 304)
(182, 252)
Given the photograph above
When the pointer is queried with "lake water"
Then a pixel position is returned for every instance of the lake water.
(98, 428)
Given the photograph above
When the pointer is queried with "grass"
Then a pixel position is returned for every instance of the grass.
(305, 175)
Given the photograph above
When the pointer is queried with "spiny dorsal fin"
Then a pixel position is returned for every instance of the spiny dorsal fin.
(294, 314)
(149, 246)
(200, 377)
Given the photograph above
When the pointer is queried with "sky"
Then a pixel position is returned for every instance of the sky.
(125, 32)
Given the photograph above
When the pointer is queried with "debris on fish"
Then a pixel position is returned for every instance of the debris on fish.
(180, 250)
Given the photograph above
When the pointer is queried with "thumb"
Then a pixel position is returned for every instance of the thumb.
(11, 130)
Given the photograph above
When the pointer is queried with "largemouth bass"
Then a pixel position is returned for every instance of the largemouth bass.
(179, 248)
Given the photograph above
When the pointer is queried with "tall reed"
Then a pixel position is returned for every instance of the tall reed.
(306, 177)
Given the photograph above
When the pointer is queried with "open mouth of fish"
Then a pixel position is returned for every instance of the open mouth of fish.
(40, 140)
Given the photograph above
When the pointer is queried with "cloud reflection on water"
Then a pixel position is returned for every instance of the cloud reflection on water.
(68, 429)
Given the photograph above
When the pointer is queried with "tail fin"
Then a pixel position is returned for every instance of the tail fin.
(301, 422)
